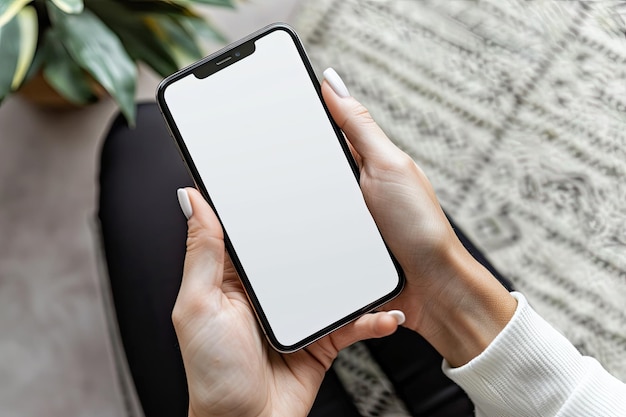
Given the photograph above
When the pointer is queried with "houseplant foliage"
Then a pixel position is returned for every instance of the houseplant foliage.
(83, 46)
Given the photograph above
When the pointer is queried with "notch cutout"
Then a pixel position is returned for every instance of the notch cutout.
(223, 60)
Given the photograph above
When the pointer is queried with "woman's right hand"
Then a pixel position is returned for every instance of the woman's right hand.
(449, 298)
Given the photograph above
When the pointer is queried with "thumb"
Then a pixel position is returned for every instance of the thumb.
(204, 259)
(368, 326)
(354, 119)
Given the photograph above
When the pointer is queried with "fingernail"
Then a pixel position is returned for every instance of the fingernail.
(336, 83)
(185, 204)
(398, 315)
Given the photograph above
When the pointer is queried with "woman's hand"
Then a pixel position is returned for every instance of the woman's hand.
(231, 370)
(449, 298)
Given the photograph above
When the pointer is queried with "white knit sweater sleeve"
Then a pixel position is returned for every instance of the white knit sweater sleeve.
(530, 369)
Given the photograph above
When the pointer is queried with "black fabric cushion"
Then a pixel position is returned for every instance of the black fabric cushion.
(144, 234)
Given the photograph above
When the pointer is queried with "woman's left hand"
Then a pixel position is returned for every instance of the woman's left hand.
(231, 370)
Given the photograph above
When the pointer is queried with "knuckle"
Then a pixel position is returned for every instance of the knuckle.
(188, 307)
(201, 239)
(362, 114)
(177, 315)
(397, 162)
(405, 162)
(357, 116)
(197, 305)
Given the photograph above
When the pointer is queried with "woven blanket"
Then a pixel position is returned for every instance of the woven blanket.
(517, 112)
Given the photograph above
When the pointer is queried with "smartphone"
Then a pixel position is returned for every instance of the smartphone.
(262, 148)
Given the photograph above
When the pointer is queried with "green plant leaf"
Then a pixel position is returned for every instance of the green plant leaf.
(35, 66)
(138, 38)
(9, 8)
(18, 41)
(27, 19)
(143, 45)
(180, 41)
(96, 49)
(70, 6)
(62, 73)
(9, 51)
(152, 7)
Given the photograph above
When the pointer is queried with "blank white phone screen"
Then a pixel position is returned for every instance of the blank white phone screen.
(282, 186)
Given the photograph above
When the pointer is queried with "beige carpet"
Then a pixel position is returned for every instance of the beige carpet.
(517, 112)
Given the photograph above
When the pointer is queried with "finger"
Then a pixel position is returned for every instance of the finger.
(204, 259)
(369, 326)
(362, 132)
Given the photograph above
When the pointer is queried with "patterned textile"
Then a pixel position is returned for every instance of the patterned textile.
(517, 112)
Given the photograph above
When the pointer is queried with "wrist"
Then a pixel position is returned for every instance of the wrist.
(468, 308)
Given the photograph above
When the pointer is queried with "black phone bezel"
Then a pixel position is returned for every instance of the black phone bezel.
(208, 66)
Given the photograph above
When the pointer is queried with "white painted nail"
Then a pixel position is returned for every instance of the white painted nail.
(336, 83)
(398, 315)
(185, 203)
